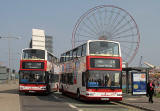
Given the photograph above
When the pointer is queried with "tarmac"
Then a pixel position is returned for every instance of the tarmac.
(9, 99)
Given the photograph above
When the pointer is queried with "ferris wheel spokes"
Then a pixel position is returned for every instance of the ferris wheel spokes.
(110, 23)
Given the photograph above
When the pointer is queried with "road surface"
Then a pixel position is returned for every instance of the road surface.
(58, 102)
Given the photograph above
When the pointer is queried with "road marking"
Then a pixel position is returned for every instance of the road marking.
(74, 107)
(56, 97)
(131, 99)
(70, 105)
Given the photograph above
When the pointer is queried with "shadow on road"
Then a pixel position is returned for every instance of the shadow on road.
(57, 97)
(42, 97)
(11, 91)
(69, 99)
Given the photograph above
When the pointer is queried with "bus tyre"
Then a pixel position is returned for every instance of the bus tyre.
(78, 95)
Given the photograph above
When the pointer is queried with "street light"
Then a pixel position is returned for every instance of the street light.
(9, 55)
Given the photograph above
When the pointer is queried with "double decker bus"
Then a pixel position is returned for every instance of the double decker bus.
(37, 71)
(92, 71)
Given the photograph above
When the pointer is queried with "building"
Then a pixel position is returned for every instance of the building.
(38, 39)
(49, 43)
(41, 41)
(3, 74)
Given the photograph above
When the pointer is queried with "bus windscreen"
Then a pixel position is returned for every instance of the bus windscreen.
(32, 77)
(103, 79)
(105, 48)
(33, 54)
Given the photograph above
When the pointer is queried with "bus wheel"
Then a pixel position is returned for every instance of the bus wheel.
(78, 95)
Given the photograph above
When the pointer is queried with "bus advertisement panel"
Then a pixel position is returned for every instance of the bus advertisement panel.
(139, 83)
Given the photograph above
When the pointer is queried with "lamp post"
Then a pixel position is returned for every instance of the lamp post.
(9, 54)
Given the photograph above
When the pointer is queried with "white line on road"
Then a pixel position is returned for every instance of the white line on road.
(74, 107)
(70, 105)
(56, 97)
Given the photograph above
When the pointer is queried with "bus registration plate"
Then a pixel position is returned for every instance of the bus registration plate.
(105, 99)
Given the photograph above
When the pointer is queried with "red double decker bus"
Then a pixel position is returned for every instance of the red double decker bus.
(92, 71)
(37, 71)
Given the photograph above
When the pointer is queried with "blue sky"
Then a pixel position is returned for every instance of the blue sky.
(58, 17)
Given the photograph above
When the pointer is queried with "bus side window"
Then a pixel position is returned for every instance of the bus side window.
(49, 56)
(63, 78)
(68, 82)
(79, 53)
(61, 59)
(54, 59)
(70, 78)
(83, 79)
(64, 57)
(67, 56)
(84, 50)
(71, 55)
(47, 77)
(60, 77)
(74, 53)
(52, 78)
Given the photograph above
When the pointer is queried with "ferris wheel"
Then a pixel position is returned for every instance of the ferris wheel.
(111, 23)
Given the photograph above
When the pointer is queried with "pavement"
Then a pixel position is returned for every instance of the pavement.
(9, 99)
(141, 101)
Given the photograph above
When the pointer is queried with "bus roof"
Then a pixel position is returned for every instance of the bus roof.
(38, 49)
(90, 41)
